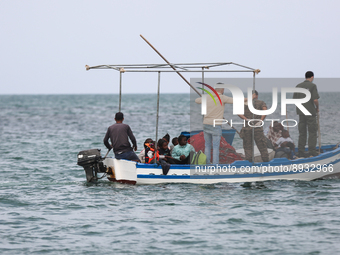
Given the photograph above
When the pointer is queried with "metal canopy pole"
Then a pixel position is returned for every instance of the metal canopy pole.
(120, 91)
(158, 92)
(183, 67)
(253, 130)
(202, 77)
(178, 68)
(202, 90)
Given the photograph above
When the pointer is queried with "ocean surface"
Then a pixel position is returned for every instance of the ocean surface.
(47, 207)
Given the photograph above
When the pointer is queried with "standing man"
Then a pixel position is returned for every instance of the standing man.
(247, 131)
(213, 134)
(118, 134)
(308, 121)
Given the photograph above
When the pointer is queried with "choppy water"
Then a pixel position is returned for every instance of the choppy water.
(46, 206)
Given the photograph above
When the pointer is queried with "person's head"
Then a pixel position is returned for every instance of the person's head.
(255, 94)
(119, 117)
(167, 137)
(182, 140)
(153, 144)
(162, 144)
(174, 141)
(148, 141)
(277, 126)
(219, 90)
(285, 133)
(309, 76)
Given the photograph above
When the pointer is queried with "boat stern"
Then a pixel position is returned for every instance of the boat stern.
(123, 171)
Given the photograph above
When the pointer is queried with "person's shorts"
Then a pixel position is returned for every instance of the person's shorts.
(129, 155)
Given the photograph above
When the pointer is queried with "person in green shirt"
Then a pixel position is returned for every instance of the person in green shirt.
(181, 152)
(308, 122)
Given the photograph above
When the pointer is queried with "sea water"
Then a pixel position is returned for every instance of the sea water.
(47, 207)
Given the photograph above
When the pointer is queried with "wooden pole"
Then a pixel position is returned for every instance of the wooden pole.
(171, 65)
(107, 153)
(234, 129)
(178, 73)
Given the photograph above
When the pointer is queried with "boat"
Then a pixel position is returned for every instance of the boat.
(325, 165)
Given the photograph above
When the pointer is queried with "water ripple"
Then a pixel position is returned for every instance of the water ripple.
(47, 207)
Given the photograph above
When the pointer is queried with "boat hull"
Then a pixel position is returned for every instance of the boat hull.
(326, 165)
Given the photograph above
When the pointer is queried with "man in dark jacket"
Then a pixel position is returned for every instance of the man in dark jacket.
(119, 135)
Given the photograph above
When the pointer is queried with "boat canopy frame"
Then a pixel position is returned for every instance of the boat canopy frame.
(214, 67)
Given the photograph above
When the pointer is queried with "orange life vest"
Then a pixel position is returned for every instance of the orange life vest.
(155, 155)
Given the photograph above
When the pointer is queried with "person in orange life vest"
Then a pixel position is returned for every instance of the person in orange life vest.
(151, 154)
(141, 155)
(149, 151)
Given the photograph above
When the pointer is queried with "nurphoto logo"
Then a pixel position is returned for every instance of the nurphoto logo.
(209, 93)
(238, 103)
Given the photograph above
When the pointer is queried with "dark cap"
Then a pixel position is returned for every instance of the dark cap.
(119, 116)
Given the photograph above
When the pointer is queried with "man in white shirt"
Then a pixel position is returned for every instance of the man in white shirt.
(213, 134)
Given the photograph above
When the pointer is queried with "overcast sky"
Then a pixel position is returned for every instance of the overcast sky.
(45, 45)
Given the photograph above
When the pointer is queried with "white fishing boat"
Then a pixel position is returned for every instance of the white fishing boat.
(325, 165)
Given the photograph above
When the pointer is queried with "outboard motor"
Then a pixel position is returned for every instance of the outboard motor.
(92, 162)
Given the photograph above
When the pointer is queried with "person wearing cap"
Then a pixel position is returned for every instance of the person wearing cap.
(213, 131)
(119, 135)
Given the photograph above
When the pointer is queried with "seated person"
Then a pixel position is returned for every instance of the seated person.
(167, 138)
(182, 152)
(284, 146)
(174, 143)
(164, 150)
(273, 133)
(150, 156)
(141, 155)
